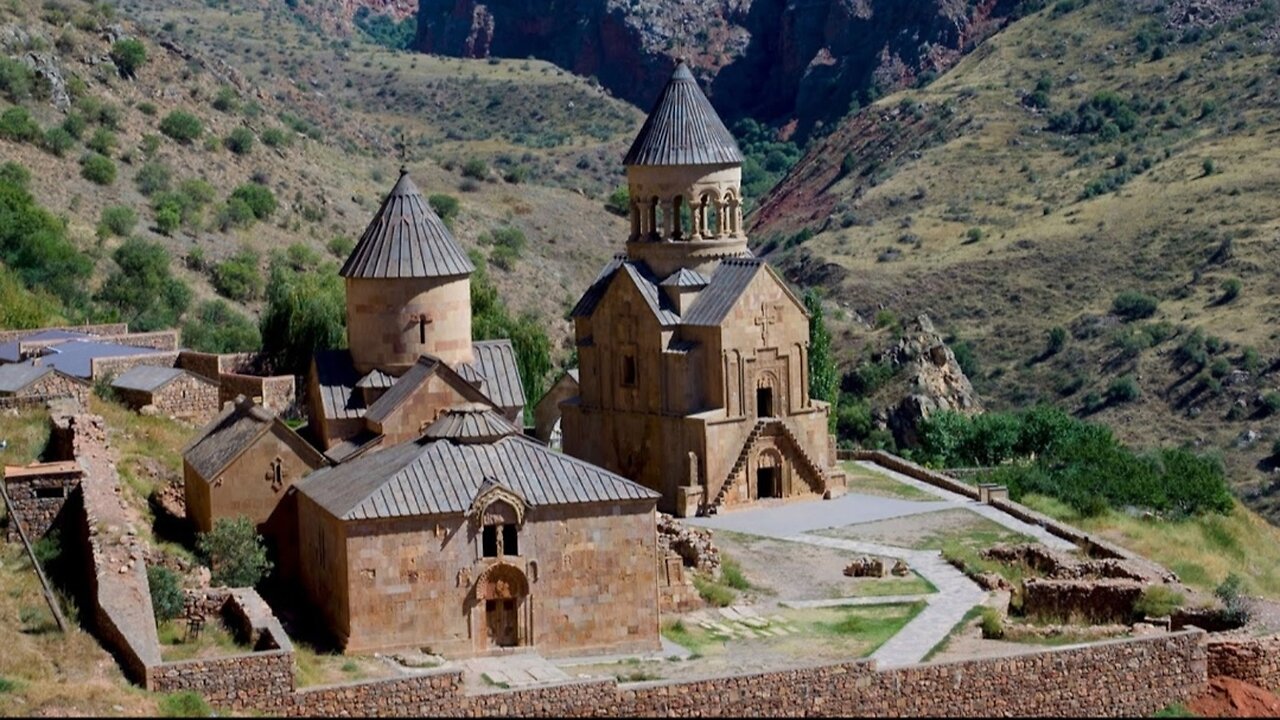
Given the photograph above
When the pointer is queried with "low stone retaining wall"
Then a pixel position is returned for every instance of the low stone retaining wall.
(103, 329)
(110, 367)
(1254, 660)
(1094, 601)
(240, 682)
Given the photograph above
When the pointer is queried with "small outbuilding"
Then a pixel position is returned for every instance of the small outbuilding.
(546, 414)
(167, 391)
(32, 381)
(243, 463)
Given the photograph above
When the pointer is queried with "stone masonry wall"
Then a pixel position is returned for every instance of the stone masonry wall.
(105, 329)
(1251, 659)
(159, 340)
(37, 495)
(278, 393)
(115, 366)
(259, 680)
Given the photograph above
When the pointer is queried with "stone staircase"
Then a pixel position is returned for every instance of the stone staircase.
(738, 466)
(806, 462)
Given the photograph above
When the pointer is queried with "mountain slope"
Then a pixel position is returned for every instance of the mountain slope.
(1090, 149)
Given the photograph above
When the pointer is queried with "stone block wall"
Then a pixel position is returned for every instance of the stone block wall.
(109, 367)
(1254, 660)
(102, 329)
(279, 393)
(160, 340)
(37, 494)
(259, 680)
(427, 695)
(1098, 601)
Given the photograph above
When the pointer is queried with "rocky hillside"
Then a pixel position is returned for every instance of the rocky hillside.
(1086, 206)
(322, 124)
(773, 60)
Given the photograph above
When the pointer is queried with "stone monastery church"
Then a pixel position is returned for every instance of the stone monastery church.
(693, 374)
(414, 510)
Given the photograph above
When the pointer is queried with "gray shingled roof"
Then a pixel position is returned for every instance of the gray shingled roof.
(684, 277)
(727, 284)
(146, 378)
(9, 350)
(471, 375)
(337, 379)
(683, 129)
(433, 477)
(376, 379)
(235, 429)
(75, 357)
(14, 377)
(471, 423)
(406, 239)
(496, 362)
(644, 281)
(413, 378)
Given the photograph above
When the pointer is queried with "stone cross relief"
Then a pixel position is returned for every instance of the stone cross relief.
(769, 314)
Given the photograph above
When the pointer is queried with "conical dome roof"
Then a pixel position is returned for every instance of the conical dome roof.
(406, 239)
(471, 423)
(683, 129)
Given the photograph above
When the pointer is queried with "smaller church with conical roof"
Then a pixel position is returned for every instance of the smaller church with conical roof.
(693, 354)
(410, 350)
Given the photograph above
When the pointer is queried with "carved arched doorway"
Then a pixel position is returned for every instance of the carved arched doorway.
(769, 474)
(504, 590)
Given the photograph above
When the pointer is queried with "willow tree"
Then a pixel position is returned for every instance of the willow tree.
(824, 379)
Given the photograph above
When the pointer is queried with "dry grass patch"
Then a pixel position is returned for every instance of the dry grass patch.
(865, 481)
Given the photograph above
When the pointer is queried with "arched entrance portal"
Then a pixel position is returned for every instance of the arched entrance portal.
(769, 475)
(504, 591)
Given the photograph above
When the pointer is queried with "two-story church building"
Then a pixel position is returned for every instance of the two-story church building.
(693, 354)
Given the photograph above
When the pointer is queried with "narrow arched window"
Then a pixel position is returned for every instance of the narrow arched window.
(422, 329)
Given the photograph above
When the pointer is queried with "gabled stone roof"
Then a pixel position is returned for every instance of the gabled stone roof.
(413, 378)
(683, 129)
(496, 363)
(444, 476)
(17, 376)
(235, 429)
(471, 423)
(406, 239)
(686, 278)
(147, 378)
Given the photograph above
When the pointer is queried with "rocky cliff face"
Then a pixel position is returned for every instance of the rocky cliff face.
(776, 60)
(930, 381)
(338, 15)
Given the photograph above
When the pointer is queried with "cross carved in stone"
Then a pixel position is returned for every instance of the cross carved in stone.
(769, 314)
(422, 320)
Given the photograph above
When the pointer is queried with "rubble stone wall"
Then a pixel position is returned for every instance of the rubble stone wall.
(1097, 601)
(104, 329)
(1255, 660)
(37, 496)
(110, 367)
(167, 340)
(278, 393)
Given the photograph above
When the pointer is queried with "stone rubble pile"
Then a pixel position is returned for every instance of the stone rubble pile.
(693, 545)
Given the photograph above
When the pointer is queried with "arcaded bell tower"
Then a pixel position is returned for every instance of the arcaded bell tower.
(684, 173)
(408, 288)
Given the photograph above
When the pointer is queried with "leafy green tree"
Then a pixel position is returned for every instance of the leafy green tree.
(824, 378)
(305, 313)
(20, 308)
(234, 552)
(619, 202)
(34, 244)
(216, 327)
(491, 320)
(129, 54)
(143, 289)
(259, 199)
(166, 592)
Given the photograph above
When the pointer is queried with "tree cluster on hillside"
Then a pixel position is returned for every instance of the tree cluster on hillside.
(1046, 451)
(491, 320)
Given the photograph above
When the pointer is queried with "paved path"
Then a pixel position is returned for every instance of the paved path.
(854, 601)
(988, 512)
(956, 595)
(809, 515)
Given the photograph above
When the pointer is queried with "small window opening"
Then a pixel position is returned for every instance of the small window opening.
(629, 371)
(489, 541)
(510, 540)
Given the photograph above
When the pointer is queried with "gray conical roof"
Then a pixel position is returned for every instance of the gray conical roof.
(683, 129)
(406, 239)
(471, 423)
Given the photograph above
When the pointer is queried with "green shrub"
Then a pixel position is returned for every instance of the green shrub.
(619, 202)
(1236, 608)
(886, 318)
(974, 235)
(166, 592)
(7, 685)
(13, 174)
(713, 593)
(17, 124)
(992, 624)
(341, 246)
(238, 277)
(143, 289)
(34, 244)
(103, 141)
(129, 55)
(117, 220)
(240, 141)
(16, 80)
(97, 169)
(1133, 305)
(147, 108)
(185, 704)
(1271, 403)
(216, 327)
(276, 138)
(1057, 340)
(182, 126)
(226, 100)
(259, 199)
(234, 552)
(446, 206)
(152, 178)
(168, 219)
(731, 574)
(1230, 289)
(1158, 601)
(57, 141)
(476, 169)
(1123, 390)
